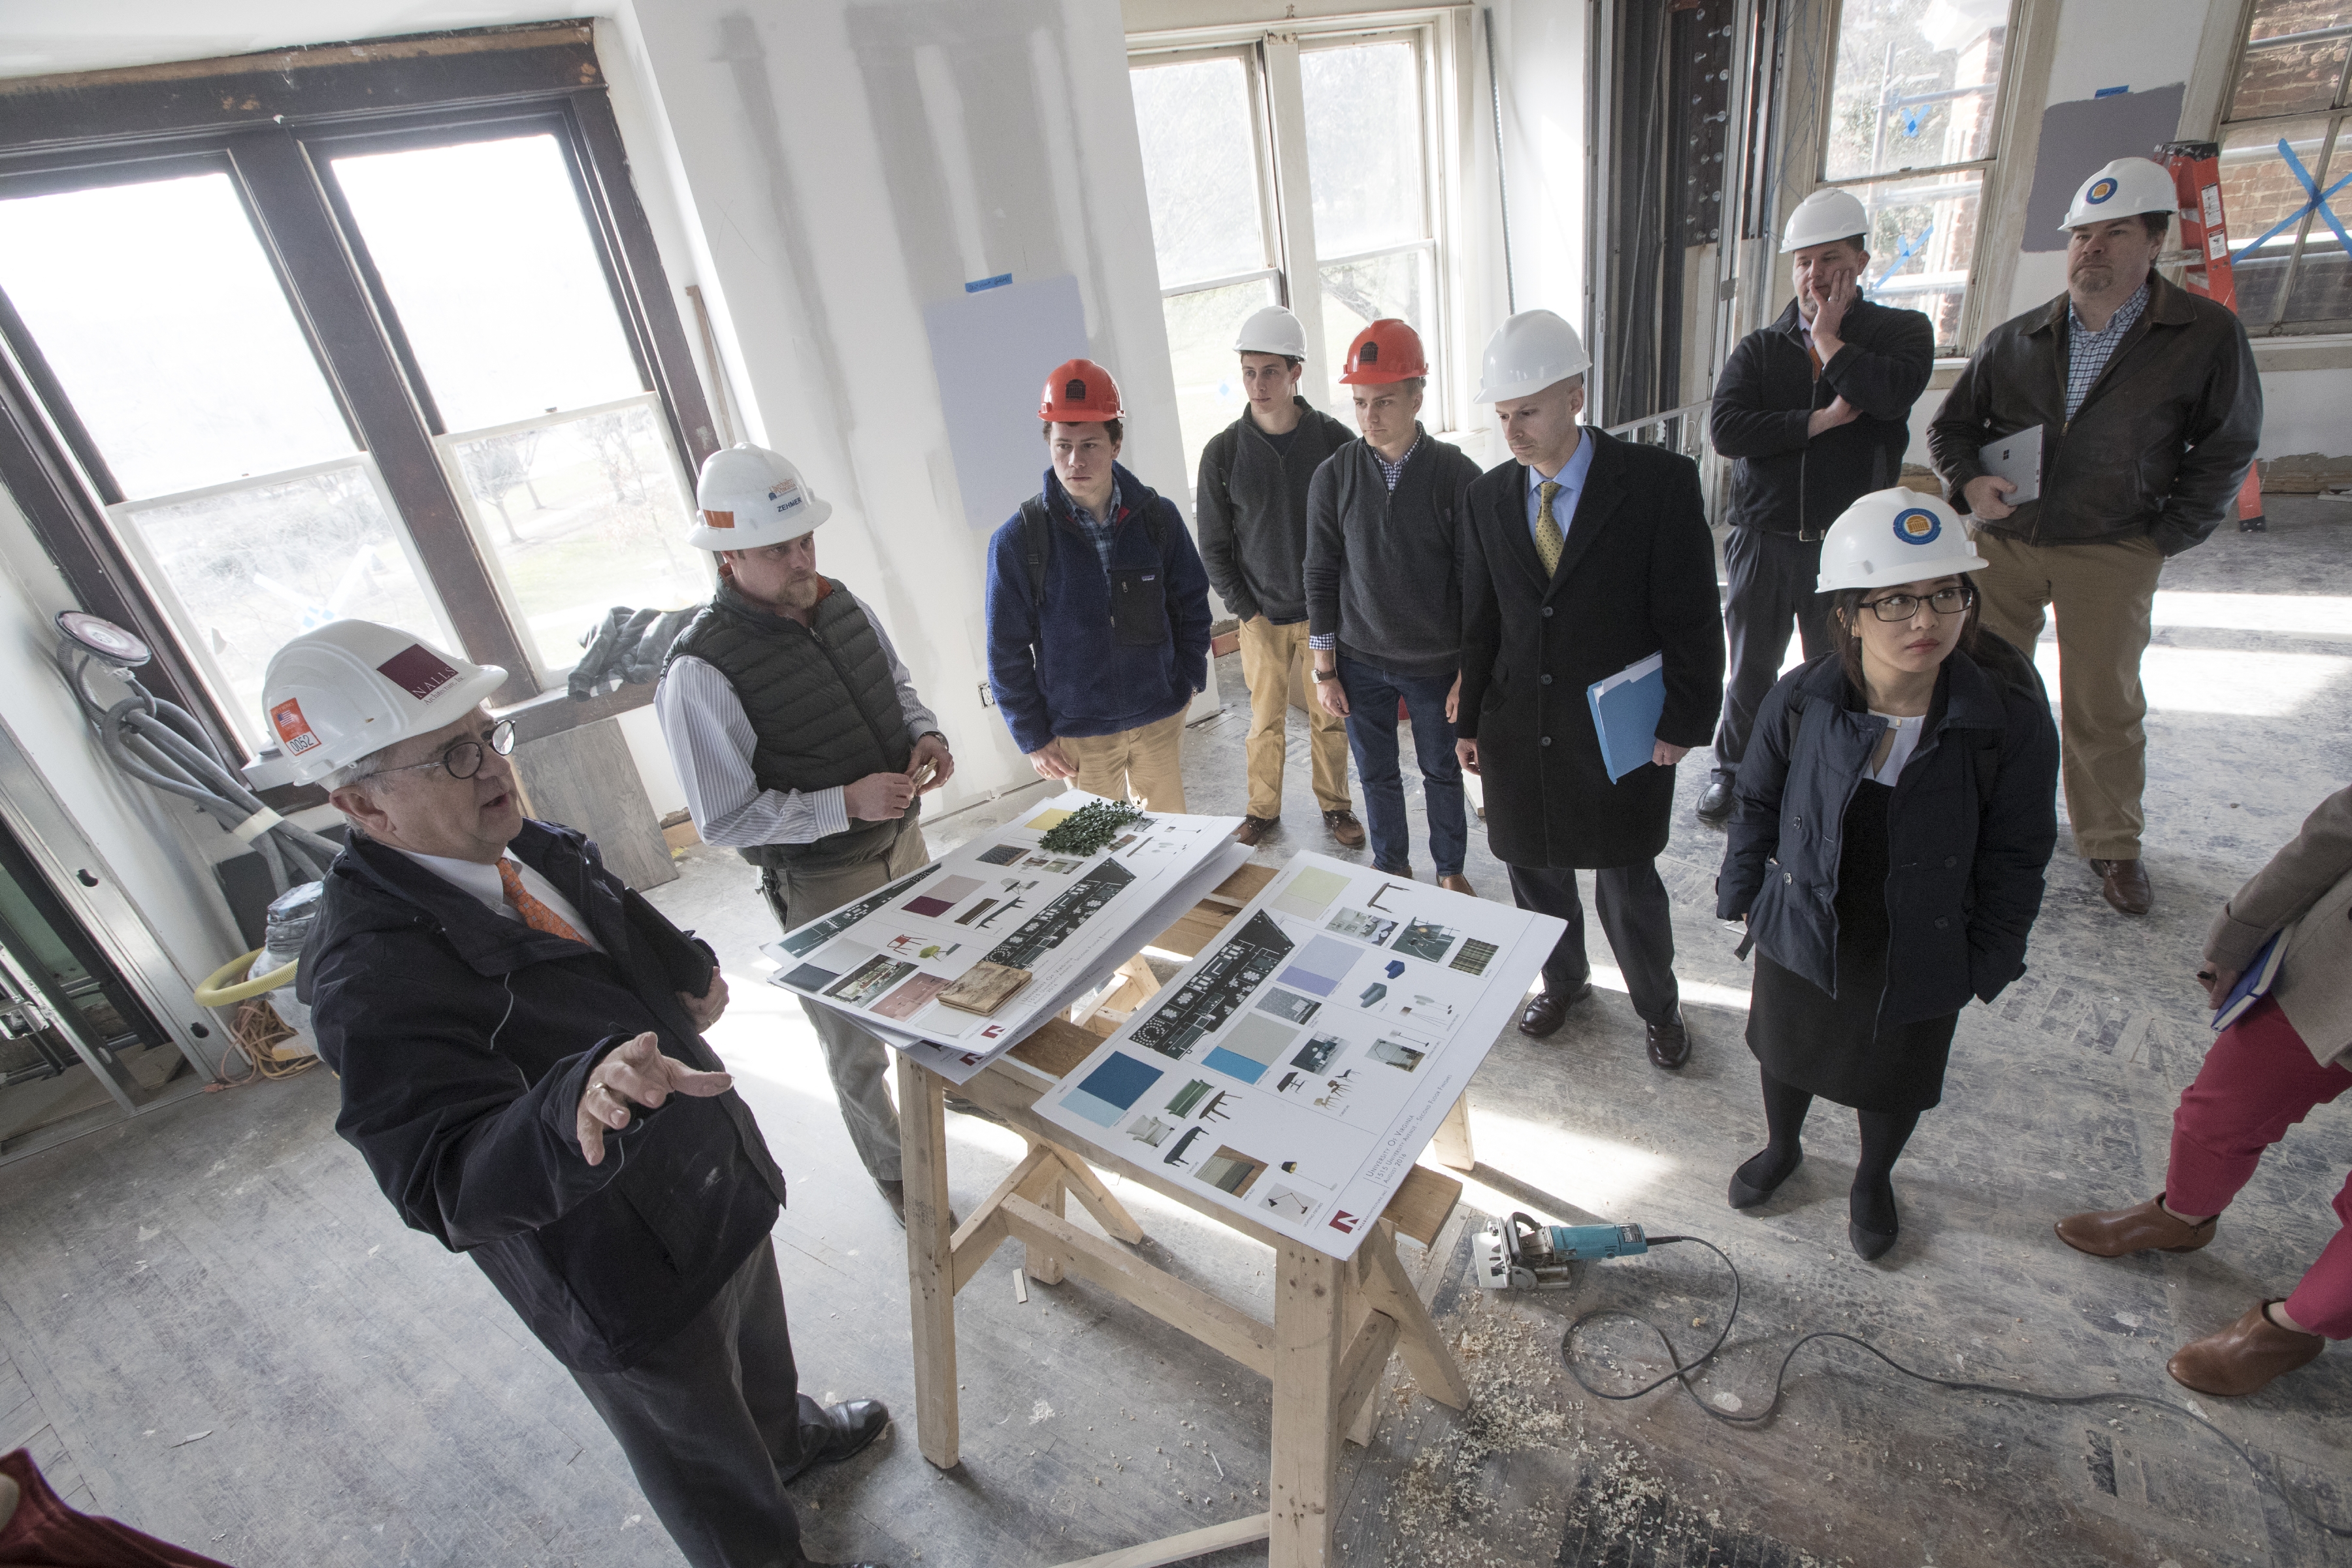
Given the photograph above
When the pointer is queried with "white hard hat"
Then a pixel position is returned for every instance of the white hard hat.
(1528, 353)
(751, 497)
(1894, 536)
(2126, 186)
(1273, 331)
(1828, 214)
(350, 687)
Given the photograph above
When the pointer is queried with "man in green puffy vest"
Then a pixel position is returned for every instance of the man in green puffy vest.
(800, 744)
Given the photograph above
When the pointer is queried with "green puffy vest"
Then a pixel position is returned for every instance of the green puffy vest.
(823, 710)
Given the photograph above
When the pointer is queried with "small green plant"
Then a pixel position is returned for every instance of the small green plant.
(1090, 827)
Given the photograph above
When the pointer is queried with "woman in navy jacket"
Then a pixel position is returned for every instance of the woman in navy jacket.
(1892, 821)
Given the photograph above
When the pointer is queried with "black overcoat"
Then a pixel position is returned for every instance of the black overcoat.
(1636, 577)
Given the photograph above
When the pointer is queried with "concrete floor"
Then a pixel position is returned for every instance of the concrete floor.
(212, 1325)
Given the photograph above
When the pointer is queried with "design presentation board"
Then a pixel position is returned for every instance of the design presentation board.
(892, 959)
(1297, 1066)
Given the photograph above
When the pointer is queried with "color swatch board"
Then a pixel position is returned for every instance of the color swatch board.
(1295, 1068)
(885, 958)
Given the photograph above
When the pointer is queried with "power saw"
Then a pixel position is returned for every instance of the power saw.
(1517, 1254)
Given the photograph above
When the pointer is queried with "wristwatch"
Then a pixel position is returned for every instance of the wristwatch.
(1325, 674)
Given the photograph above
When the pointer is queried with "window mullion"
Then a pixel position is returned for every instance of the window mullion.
(1287, 102)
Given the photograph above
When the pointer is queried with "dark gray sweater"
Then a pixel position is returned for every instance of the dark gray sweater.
(1252, 512)
(1382, 567)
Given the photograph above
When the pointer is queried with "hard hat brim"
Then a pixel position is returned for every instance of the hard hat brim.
(1830, 583)
(702, 536)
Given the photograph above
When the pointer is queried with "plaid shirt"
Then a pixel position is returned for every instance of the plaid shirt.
(2087, 352)
(1099, 533)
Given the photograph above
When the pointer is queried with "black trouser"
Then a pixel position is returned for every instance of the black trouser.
(1771, 578)
(711, 1421)
(1634, 916)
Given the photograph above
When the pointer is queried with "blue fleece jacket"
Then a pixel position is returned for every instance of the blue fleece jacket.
(1063, 668)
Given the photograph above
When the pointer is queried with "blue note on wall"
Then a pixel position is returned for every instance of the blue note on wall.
(1625, 710)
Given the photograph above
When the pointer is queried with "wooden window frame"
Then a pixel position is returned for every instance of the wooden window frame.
(2337, 115)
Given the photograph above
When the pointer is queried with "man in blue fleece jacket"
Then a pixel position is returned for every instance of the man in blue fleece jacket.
(1097, 609)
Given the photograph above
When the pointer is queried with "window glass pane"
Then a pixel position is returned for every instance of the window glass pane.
(2259, 188)
(1199, 169)
(491, 269)
(1914, 84)
(2322, 291)
(1363, 146)
(1922, 233)
(244, 569)
(2285, 70)
(1358, 293)
(161, 317)
(582, 512)
(1201, 327)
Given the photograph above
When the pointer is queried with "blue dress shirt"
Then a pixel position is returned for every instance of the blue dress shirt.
(1571, 480)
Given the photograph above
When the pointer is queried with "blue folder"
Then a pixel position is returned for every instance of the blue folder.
(1625, 710)
(2253, 985)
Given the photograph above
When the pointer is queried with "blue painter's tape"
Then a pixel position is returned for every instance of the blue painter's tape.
(977, 284)
(2111, 93)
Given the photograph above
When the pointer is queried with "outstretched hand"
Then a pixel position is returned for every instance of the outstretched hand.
(637, 1075)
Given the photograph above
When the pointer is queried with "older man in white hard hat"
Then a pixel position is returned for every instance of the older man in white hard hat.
(2148, 409)
(1582, 557)
(518, 1040)
(1813, 410)
(1251, 506)
(800, 744)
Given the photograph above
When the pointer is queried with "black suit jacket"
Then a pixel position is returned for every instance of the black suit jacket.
(1636, 577)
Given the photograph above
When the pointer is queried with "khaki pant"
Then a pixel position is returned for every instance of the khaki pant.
(1274, 662)
(2102, 594)
(1144, 764)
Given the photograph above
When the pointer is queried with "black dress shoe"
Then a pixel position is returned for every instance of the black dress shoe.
(1544, 1014)
(1715, 801)
(1868, 1245)
(1756, 1181)
(1670, 1041)
(848, 1429)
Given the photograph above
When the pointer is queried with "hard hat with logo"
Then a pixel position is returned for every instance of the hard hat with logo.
(1890, 537)
(1273, 331)
(1528, 353)
(1827, 215)
(2123, 188)
(1079, 391)
(751, 497)
(334, 695)
(1385, 352)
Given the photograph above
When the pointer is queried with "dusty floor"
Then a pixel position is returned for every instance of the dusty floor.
(212, 1325)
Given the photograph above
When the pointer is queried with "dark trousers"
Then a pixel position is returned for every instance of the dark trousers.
(1635, 918)
(1771, 578)
(713, 1419)
(1372, 696)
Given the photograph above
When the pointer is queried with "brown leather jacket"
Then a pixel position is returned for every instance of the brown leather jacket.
(2306, 887)
(2159, 446)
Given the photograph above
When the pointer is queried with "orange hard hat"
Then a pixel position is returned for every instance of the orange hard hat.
(1079, 391)
(1386, 351)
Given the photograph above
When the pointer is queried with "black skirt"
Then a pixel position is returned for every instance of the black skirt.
(1832, 1045)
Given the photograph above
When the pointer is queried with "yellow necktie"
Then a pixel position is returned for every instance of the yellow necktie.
(1550, 541)
(535, 911)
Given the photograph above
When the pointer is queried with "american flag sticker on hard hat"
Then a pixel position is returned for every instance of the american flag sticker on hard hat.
(785, 497)
(293, 730)
(417, 671)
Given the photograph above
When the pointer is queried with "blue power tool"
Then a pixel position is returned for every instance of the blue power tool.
(1517, 1254)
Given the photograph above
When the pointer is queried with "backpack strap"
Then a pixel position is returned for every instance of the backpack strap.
(1037, 545)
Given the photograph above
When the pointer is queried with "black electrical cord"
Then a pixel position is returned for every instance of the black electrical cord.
(1682, 1371)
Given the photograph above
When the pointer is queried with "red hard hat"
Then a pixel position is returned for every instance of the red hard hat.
(1386, 351)
(1079, 391)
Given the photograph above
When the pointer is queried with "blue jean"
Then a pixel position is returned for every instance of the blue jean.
(1372, 696)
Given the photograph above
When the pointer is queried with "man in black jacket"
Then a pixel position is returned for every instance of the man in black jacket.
(1815, 410)
(2149, 410)
(1582, 557)
(1252, 510)
(518, 1036)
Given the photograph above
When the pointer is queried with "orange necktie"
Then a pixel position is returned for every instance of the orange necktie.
(534, 912)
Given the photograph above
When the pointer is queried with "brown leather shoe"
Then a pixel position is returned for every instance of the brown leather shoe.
(2242, 1358)
(2144, 1227)
(1670, 1042)
(1457, 883)
(1345, 829)
(1255, 828)
(2125, 883)
(1544, 1014)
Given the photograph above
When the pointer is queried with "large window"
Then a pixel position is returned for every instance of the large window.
(2284, 156)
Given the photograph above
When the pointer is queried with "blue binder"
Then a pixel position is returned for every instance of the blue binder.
(2253, 985)
(1625, 710)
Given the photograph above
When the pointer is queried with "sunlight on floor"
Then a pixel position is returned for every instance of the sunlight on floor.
(1596, 1175)
(2222, 680)
(2324, 614)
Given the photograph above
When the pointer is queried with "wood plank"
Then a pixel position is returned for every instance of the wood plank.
(1056, 1047)
(1451, 1144)
(1306, 1437)
(930, 1265)
(1089, 1189)
(1425, 1201)
(1181, 1548)
(1361, 1368)
(585, 778)
(1390, 1289)
(1042, 1260)
(1215, 1323)
(976, 1241)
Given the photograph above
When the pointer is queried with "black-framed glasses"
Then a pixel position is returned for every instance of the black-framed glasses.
(463, 760)
(1948, 601)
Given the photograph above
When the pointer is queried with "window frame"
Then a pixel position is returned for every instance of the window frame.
(2338, 117)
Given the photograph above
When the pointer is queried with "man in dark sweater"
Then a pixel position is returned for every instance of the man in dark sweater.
(1814, 410)
(1252, 508)
(1384, 597)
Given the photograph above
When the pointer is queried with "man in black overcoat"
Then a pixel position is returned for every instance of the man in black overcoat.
(1582, 555)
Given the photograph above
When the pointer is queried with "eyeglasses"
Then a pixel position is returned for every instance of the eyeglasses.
(463, 760)
(1903, 606)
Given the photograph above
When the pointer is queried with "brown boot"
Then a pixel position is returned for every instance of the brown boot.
(2144, 1227)
(2242, 1358)
(1255, 828)
(1345, 829)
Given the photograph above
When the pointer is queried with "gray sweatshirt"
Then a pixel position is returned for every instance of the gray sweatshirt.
(1251, 512)
(1383, 572)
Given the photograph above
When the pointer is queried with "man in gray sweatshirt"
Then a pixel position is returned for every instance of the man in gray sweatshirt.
(1251, 510)
(1384, 597)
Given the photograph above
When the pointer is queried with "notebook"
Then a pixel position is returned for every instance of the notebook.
(2253, 985)
(1625, 710)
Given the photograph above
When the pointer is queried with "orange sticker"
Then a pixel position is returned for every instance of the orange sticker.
(293, 730)
(718, 519)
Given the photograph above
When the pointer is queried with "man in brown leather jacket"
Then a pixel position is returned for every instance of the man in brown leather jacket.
(2150, 411)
